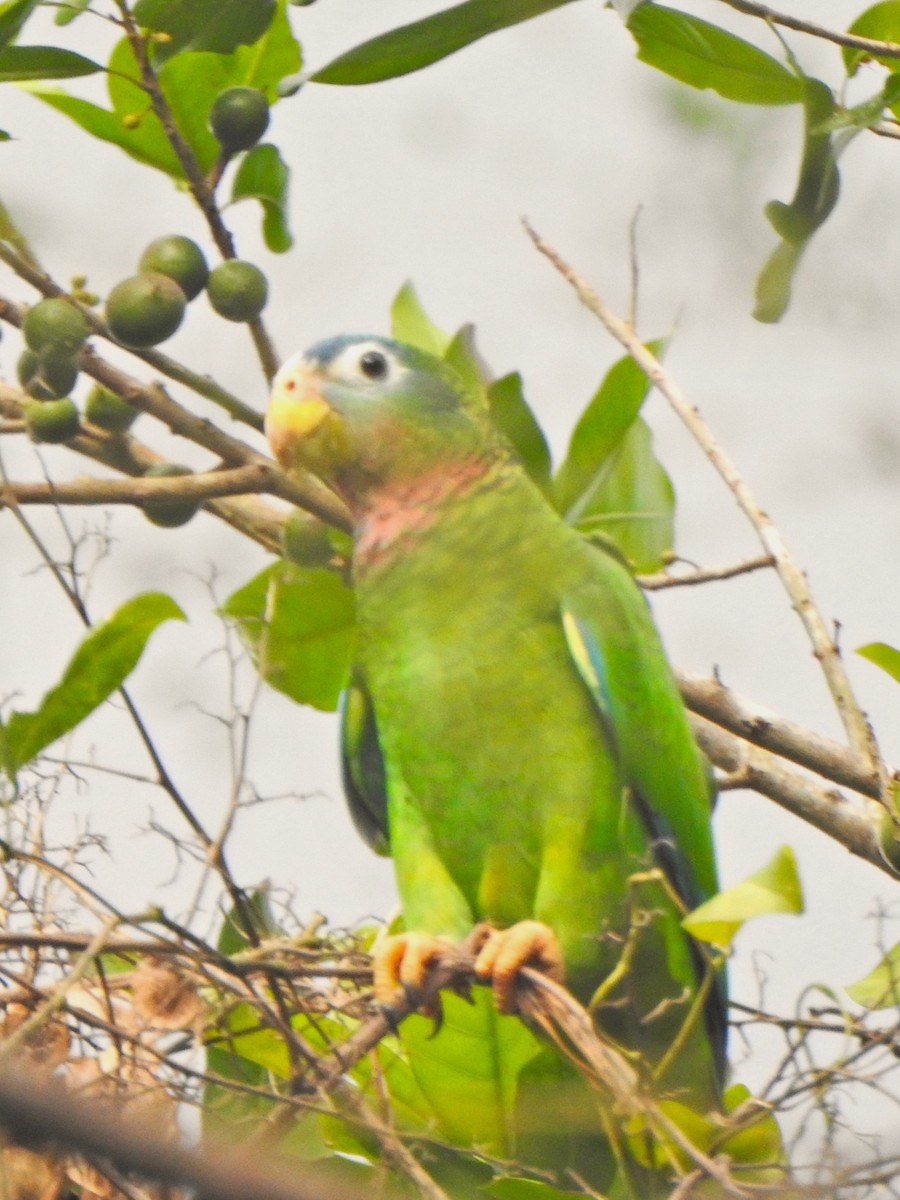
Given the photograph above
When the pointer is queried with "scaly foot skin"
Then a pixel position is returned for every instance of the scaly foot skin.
(402, 962)
(501, 953)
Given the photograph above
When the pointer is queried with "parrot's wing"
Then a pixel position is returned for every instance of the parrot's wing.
(362, 766)
(616, 650)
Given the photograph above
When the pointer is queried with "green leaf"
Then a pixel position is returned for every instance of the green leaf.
(10, 232)
(69, 10)
(600, 429)
(258, 912)
(633, 506)
(512, 415)
(424, 42)
(775, 888)
(410, 323)
(773, 286)
(13, 15)
(881, 987)
(108, 654)
(217, 25)
(298, 624)
(18, 63)
(511, 1188)
(881, 22)
(816, 194)
(884, 656)
(263, 175)
(469, 1072)
(704, 56)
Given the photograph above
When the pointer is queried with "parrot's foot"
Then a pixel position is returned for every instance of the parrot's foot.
(501, 953)
(403, 961)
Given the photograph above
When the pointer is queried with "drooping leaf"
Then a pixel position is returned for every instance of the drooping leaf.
(774, 888)
(410, 323)
(13, 15)
(814, 199)
(600, 429)
(513, 417)
(298, 624)
(424, 42)
(24, 63)
(217, 25)
(884, 656)
(704, 56)
(881, 22)
(881, 987)
(106, 656)
(263, 175)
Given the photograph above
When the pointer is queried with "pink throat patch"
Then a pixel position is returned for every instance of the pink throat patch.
(402, 511)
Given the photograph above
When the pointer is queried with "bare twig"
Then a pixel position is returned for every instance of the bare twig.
(667, 579)
(857, 726)
(871, 46)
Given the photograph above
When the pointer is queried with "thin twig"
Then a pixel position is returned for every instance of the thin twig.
(871, 46)
(857, 726)
(204, 485)
(665, 579)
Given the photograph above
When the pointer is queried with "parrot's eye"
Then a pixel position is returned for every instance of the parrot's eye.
(374, 365)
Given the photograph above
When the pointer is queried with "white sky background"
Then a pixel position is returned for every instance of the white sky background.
(425, 178)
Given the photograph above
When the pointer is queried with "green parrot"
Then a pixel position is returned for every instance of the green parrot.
(512, 733)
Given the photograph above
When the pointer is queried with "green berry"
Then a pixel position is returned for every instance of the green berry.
(145, 309)
(108, 411)
(239, 117)
(237, 290)
(52, 420)
(180, 259)
(46, 377)
(55, 326)
(305, 540)
(169, 514)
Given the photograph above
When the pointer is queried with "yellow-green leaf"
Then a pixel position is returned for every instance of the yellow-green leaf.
(775, 888)
(881, 987)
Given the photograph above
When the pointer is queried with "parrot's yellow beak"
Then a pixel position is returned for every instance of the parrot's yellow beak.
(298, 416)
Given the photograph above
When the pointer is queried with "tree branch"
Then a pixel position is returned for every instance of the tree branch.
(793, 579)
(719, 704)
(871, 46)
(825, 808)
(43, 1114)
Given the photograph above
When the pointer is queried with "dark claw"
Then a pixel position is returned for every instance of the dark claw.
(389, 1012)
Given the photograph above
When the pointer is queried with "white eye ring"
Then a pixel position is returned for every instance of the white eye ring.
(367, 362)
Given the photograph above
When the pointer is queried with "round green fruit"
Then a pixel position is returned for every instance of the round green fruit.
(108, 411)
(52, 421)
(180, 259)
(237, 290)
(169, 514)
(46, 377)
(239, 117)
(305, 540)
(145, 309)
(55, 326)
